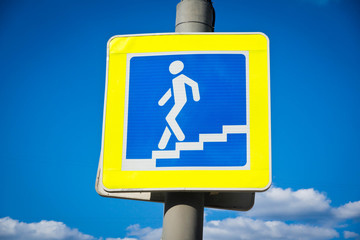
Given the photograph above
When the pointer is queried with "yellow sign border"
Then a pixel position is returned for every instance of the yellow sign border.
(258, 178)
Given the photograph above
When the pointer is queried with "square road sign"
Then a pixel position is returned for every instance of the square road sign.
(186, 112)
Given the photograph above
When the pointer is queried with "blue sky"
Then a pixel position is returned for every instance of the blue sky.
(52, 58)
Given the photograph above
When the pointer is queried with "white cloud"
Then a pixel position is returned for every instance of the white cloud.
(11, 229)
(348, 234)
(49, 230)
(301, 205)
(243, 228)
(144, 233)
(286, 204)
(350, 210)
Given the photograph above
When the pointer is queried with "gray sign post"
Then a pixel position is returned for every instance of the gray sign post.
(184, 211)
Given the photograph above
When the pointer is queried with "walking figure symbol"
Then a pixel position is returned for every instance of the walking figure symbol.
(180, 99)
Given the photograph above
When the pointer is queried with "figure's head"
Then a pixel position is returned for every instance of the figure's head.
(176, 67)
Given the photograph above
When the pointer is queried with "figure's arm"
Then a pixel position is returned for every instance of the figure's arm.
(194, 87)
(165, 98)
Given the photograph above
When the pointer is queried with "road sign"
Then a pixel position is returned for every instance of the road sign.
(186, 112)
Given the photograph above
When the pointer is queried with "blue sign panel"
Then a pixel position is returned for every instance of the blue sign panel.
(187, 111)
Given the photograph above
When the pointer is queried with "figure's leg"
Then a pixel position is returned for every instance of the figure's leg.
(164, 138)
(170, 118)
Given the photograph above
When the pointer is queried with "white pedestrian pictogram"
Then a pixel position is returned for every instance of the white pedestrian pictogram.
(180, 99)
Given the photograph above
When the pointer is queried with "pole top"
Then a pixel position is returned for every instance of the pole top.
(195, 16)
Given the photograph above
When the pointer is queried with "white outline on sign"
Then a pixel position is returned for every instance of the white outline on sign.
(150, 164)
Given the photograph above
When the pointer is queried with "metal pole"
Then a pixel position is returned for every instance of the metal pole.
(195, 16)
(183, 216)
(184, 211)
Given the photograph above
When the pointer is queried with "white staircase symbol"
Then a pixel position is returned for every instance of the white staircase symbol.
(199, 146)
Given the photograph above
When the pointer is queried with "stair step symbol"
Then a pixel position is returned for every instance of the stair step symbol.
(199, 146)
